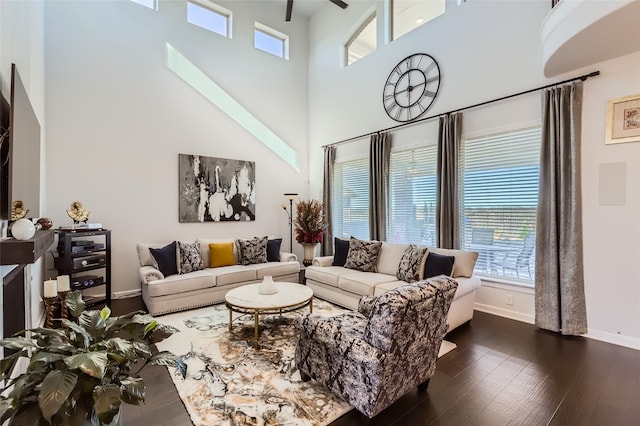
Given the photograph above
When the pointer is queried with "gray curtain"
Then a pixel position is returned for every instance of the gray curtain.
(329, 162)
(559, 291)
(447, 221)
(379, 154)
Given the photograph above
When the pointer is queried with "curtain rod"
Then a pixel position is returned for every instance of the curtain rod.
(582, 77)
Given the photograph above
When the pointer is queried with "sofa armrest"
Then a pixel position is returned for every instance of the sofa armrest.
(149, 273)
(322, 261)
(288, 257)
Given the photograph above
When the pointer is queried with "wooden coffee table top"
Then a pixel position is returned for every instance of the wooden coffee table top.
(288, 295)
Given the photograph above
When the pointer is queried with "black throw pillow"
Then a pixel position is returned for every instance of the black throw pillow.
(166, 259)
(340, 251)
(438, 264)
(273, 250)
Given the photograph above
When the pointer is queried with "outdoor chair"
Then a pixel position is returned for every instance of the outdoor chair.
(521, 262)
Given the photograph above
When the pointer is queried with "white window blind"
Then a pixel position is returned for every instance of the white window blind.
(412, 196)
(350, 199)
(498, 200)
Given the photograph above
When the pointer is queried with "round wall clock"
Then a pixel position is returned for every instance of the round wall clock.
(411, 87)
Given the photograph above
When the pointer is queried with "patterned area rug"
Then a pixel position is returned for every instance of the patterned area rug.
(231, 383)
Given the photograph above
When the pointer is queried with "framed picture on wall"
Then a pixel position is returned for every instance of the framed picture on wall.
(623, 120)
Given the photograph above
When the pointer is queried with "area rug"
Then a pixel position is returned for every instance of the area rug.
(231, 383)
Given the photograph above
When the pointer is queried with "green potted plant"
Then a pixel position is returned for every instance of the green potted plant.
(310, 226)
(82, 372)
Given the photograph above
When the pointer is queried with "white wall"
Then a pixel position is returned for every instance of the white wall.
(118, 118)
(488, 49)
(22, 43)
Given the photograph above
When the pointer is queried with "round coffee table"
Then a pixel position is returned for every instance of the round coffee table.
(247, 301)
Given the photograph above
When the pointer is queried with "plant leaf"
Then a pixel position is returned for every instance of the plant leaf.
(161, 332)
(117, 323)
(91, 363)
(92, 323)
(105, 313)
(106, 402)
(56, 388)
(27, 414)
(149, 327)
(133, 390)
(7, 362)
(168, 359)
(75, 303)
(46, 357)
(5, 409)
(86, 341)
(17, 343)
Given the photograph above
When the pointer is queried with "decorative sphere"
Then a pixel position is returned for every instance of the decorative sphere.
(23, 229)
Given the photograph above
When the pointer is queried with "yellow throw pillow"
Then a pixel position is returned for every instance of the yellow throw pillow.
(221, 254)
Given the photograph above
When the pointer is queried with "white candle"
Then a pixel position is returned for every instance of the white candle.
(50, 288)
(63, 283)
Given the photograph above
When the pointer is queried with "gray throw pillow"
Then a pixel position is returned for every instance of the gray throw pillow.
(252, 251)
(410, 262)
(363, 255)
(189, 258)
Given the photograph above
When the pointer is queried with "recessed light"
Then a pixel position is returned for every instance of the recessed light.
(419, 20)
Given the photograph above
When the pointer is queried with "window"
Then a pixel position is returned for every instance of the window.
(498, 200)
(363, 41)
(410, 14)
(151, 4)
(271, 41)
(411, 215)
(350, 199)
(209, 16)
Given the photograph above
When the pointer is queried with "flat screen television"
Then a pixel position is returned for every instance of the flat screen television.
(20, 152)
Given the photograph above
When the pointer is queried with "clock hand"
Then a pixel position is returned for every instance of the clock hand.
(410, 88)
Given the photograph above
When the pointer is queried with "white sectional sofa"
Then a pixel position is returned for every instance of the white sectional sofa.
(346, 286)
(207, 286)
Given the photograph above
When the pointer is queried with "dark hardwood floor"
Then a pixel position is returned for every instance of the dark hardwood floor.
(503, 372)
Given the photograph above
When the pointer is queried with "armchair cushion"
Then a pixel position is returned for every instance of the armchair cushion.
(366, 304)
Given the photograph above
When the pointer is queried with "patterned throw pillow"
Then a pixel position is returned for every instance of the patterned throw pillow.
(189, 258)
(252, 251)
(363, 255)
(410, 262)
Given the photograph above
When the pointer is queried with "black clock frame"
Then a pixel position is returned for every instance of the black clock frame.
(402, 111)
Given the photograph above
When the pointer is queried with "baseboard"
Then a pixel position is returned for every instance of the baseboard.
(616, 339)
(126, 294)
(518, 316)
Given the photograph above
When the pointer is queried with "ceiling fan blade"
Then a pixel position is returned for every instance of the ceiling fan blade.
(339, 3)
(289, 10)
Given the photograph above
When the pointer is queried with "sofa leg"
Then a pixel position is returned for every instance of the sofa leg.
(304, 377)
(423, 386)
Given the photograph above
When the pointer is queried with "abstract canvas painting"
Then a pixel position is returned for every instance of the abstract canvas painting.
(216, 189)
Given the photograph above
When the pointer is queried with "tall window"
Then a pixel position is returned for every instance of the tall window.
(151, 4)
(350, 199)
(271, 41)
(412, 196)
(499, 195)
(410, 14)
(209, 16)
(363, 41)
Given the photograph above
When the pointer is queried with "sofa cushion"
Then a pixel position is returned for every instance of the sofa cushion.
(465, 261)
(340, 251)
(176, 284)
(389, 258)
(275, 269)
(189, 258)
(273, 249)
(221, 254)
(363, 255)
(363, 283)
(252, 251)
(409, 266)
(436, 264)
(232, 274)
(328, 275)
(166, 259)
(385, 287)
(204, 249)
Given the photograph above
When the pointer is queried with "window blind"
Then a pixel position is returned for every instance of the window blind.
(350, 199)
(412, 196)
(498, 199)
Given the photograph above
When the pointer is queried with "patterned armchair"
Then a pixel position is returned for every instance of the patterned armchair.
(373, 357)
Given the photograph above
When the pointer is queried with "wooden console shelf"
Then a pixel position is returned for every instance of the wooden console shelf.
(22, 252)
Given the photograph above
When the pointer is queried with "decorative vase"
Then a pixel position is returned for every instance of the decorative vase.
(309, 253)
(23, 229)
(267, 286)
